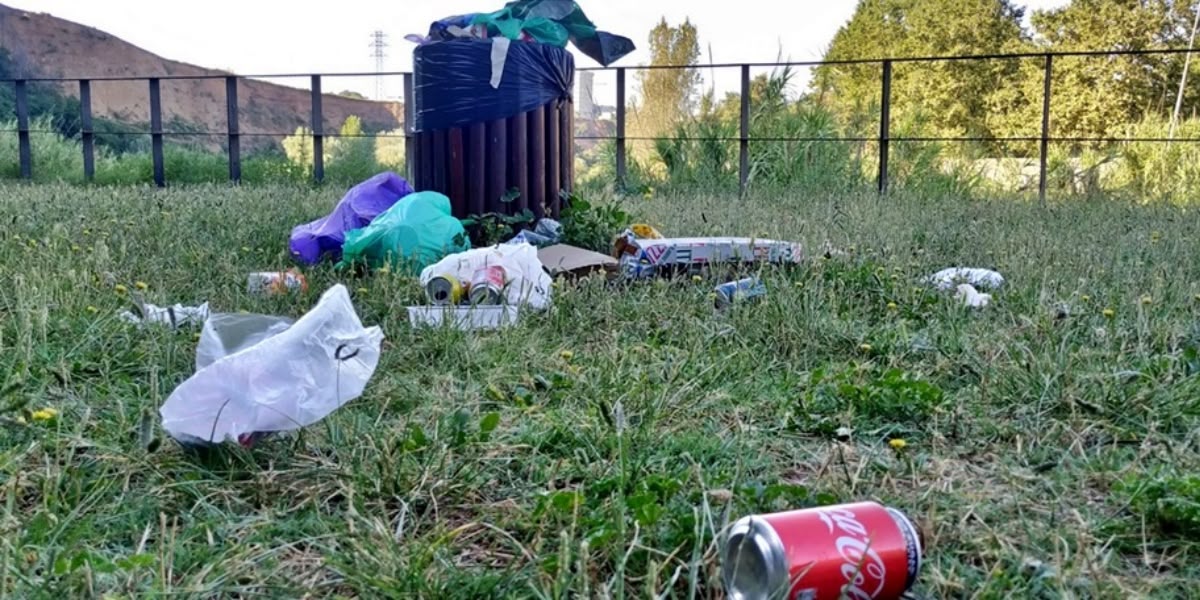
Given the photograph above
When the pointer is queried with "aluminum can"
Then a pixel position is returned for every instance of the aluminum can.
(444, 290)
(862, 551)
(487, 285)
(276, 283)
(742, 290)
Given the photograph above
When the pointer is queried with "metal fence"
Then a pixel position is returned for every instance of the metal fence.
(744, 139)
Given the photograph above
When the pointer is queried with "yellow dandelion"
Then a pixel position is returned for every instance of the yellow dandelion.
(362, 291)
(246, 249)
(895, 277)
(93, 309)
(75, 248)
(866, 347)
(567, 355)
(45, 414)
(898, 444)
(892, 306)
(121, 289)
(1085, 298)
(87, 232)
(1147, 300)
(21, 420)
(1109, 313)
(697, 279)
(141, 285)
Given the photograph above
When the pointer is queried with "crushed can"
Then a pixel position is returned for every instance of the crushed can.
(735, 292)
(487, 285)
(276, 283)
(444, 290)
(860, 551)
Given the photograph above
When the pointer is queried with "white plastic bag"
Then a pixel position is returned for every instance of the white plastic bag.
(282, 383)
(527, 282)
(230, 333)
(174, 316)
(971, 297)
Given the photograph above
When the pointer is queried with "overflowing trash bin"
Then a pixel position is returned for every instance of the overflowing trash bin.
(493, 108)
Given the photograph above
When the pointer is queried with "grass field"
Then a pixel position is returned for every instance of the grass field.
(1052, 439)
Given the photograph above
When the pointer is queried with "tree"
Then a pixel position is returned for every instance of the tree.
(951, 95)
(1102, 96)
(667, 95)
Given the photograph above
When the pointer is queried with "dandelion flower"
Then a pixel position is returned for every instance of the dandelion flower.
(141, 285)
(898, 444)
(45, 414)
(1110, 313)
(1147, 300)
(892, 306)
(799, 284)
(567, 355)
(697, 279)
(866, 347)
(1085, 298)
(246, 249)
(75, 248)
(21, 420)
(93, 309)
(362, 291)
(121, 289)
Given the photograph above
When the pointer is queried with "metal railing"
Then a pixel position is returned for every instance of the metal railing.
(744, 139)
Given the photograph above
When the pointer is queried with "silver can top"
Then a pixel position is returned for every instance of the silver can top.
(754, 566)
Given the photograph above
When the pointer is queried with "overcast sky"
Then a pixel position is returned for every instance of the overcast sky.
(273, 36)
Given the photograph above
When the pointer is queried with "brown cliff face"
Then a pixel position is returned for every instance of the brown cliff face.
(42, 45)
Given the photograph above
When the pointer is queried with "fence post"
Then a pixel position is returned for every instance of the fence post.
(410, 112)
(25, 150)
(156, 132)
(885, 115)
(86, 134)
(621, 128)
(744, 142)
(1045, 149)
(318, 132)
(235, 142)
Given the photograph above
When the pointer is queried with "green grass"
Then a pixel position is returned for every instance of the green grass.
(600, 448)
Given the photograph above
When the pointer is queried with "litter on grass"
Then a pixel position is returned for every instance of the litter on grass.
(275, 379)
(948, 279)
(175, 317)
(323, 238)
(525, 282)
(972, 297)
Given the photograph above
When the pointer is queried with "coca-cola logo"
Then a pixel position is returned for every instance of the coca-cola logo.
(863, 569)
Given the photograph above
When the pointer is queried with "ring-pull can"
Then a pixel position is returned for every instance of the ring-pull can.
(862, 551)
(444, 290)
(276, 283)
(487, 285)
(736, 292)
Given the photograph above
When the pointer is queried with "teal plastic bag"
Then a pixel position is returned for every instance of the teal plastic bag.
(411, 235)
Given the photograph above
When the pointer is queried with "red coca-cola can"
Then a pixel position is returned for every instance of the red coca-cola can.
(863, 551)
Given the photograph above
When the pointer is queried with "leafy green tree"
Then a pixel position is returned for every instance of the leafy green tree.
(954, 93)
(667, 96)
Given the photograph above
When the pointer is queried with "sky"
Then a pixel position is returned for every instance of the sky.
(282, 36)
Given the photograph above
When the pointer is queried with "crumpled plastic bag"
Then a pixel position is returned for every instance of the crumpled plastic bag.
(313, 242)
(948, 279)
(230, 333)
(415, 233)
(174, 316)
(284, 382)
(527, 281)
(546, 232)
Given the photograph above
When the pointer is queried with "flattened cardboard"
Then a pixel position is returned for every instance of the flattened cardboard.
(562, 259)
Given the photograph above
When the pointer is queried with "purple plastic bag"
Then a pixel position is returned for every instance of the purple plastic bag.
(322, 239)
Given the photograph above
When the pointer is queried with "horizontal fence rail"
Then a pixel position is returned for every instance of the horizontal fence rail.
(233, 133)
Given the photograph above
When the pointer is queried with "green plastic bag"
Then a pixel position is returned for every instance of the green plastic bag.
(414, 233)
(555, 22)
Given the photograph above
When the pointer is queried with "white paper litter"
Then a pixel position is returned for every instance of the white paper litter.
(173, 316)
(948, 279)
(527, 282)
(971, 296)
(284, 382)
